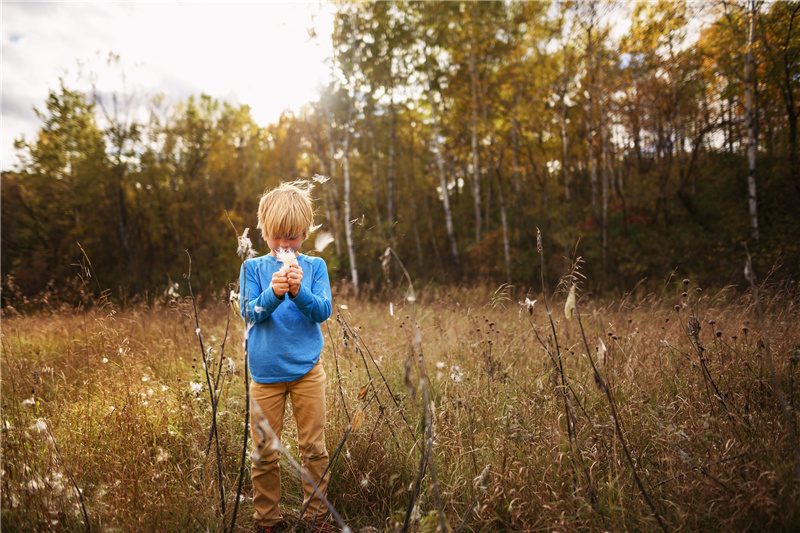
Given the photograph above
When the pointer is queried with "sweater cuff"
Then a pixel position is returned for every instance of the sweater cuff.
(271, 301)
(303, 298)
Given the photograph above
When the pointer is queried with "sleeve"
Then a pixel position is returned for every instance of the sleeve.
(315, 302)
(257, 303)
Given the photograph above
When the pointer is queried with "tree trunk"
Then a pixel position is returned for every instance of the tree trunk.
(515, 146)
(565, 141)
(411, 174)
(791, 110)
(326, 201)
(348, 227)
(391, 192)
(590, 125)
(504, 221)
(335, 201)
(376, 185)
(604, 141)
(122, 228)
(448, 215)
(476, 173)
(750, 119)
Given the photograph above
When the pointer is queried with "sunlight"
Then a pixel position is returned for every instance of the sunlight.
(258, 54)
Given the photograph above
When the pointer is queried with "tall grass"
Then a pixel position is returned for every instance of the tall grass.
(511, 422)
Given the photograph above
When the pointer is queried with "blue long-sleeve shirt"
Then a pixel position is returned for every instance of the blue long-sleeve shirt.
(285, 340)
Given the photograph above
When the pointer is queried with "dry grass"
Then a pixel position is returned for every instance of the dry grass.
(114, 389)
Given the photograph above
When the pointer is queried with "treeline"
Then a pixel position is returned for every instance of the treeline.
(451, 132)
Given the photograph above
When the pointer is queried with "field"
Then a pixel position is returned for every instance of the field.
(653, 411)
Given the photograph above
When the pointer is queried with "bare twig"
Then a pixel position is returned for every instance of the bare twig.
(601, 384)
(211, 390)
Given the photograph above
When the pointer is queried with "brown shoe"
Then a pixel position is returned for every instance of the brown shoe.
(266, 529)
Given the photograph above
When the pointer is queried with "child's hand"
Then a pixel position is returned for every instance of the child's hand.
(294, 277)
(280, 284)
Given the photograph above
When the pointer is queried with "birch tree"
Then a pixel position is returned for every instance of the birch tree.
(750, 117)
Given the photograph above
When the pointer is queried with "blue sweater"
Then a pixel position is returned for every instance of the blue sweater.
(285, 339)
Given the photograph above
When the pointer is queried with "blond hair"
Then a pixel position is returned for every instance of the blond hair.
(286, 211)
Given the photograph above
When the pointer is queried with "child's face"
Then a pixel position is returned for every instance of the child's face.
(292, 243)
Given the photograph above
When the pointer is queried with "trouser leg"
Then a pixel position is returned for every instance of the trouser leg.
(308, 404)
(268, 403)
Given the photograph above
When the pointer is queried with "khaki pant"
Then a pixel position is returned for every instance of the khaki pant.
(308, 404)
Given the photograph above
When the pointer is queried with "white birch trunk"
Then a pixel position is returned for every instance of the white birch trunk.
(750, 119)
(476, 175)
(391, 192)
(348, 227)
(590, 126)
(565, 143)
(504, 220)
(332, 188)
(448, 215)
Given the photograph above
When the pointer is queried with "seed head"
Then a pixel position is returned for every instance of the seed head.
(245, 249)
(358, 419)
(569, 307)
(322, 241)
(363, 392)
(287, 257)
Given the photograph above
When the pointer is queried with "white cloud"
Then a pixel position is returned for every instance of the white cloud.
(255, 54)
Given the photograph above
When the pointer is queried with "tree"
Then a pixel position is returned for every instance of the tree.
(59, 196)
(750, 117)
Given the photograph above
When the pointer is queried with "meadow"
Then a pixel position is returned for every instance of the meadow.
(461, 409)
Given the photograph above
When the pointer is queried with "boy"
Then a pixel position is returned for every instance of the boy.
(286, 295)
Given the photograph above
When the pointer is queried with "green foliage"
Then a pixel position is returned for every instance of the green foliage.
(632, 146)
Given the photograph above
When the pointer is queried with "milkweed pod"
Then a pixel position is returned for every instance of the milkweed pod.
(363, 391)
(569, 307)
(358, 419)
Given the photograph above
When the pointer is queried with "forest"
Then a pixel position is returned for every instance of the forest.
(451, 131)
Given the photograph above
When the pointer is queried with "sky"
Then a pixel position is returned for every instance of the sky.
(258, 54)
